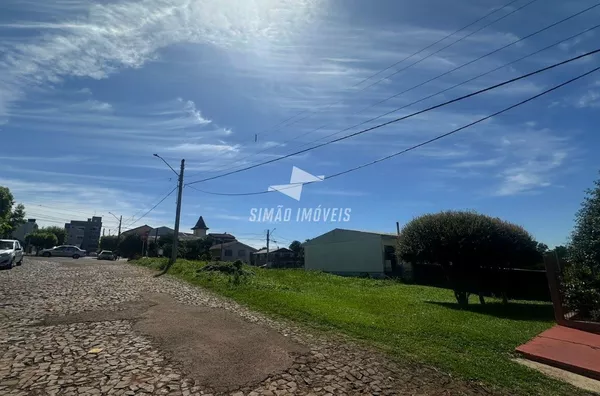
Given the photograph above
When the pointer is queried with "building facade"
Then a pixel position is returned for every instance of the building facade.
(278, 258)
(232, 251)
(353, 253)
(85, 234)
(25, 229)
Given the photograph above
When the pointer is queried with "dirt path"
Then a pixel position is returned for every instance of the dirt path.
(86, 327)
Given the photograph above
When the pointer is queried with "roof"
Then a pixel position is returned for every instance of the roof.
(264, 251)
(222, 236)
(133, 230)
(337, 232)
(227, 244)
(200, 224)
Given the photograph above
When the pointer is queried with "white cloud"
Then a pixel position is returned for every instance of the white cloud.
(478, 164)
(190, 108)
(210, 150)
(590, 99)
(58, 203)
(111, 36)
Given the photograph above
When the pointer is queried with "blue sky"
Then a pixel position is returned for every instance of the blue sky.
(89, 90)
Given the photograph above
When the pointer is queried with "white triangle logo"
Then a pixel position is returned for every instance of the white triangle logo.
(297, 180)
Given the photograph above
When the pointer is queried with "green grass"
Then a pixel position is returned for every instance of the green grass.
(420, 323)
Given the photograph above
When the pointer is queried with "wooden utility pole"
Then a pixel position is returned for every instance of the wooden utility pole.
(177, 214)
(119, 234)
(268, 239)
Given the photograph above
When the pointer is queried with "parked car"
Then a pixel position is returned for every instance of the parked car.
(63, 251)
(107, 255)
(11, 253)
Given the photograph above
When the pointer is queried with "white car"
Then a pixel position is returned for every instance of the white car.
(11, 253)
(63, 251)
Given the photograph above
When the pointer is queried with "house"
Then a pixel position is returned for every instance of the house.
(278, 258)
(200, 228)
(352, 253)
(25, 229)
(85, 234)
(141, 231)
(200, 232)
(222, 238)
(231, 251)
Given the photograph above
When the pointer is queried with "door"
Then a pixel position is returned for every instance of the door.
(18, 252)
(60, 251)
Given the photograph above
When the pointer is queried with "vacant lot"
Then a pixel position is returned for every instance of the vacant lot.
(416, 322)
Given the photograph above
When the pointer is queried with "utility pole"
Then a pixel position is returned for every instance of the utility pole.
(120, 220)
(267, 261)
(177, 212)
(119, 234)
(269, 233)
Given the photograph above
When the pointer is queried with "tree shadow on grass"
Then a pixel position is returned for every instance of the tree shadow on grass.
(512, 310)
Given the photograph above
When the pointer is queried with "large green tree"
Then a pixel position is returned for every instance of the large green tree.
(60, 232)
(10, 218)
(130, 246)
(41, 240)
(110, 242)
(582, 275)
(467, 245)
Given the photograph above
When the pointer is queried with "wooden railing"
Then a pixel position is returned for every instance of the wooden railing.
(562, 317)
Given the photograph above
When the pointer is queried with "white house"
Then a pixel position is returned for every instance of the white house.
(25, 229)
(231, 251)
(352, 253)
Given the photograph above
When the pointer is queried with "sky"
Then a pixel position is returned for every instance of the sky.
(90, 90)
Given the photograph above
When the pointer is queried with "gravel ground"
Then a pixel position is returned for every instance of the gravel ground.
(101, 328)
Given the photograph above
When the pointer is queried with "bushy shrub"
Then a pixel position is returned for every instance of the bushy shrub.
(463, 242)
(234, 270)
(582, 274)
(582, 291)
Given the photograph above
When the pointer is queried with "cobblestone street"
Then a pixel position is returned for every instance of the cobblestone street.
(87, 327)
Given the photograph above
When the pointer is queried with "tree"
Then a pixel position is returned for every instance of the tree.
(131, 246)
(298, 249)
(466, 245)
(17, 217)
(195, 249)
(109, 242)
(9, 219)
(41, 240)
(60, 232)
(582, 275)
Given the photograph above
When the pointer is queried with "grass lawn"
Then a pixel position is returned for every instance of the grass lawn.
(408, 321)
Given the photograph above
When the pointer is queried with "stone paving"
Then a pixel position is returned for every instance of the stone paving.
(110, 358)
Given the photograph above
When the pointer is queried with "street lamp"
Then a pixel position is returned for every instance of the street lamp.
(120, 220)
(163, 160)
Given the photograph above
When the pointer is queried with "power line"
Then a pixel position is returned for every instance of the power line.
(132, 221)
(460, 98)
(280, 124)
(428, 81)
(439, 137)
(88, 213)
(431, 54)
(154, 207)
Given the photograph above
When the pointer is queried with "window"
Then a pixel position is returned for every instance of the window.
(228, 253)
(241, 253)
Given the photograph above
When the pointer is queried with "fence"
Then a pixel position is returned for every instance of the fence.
(517, 284)
(563, 316)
